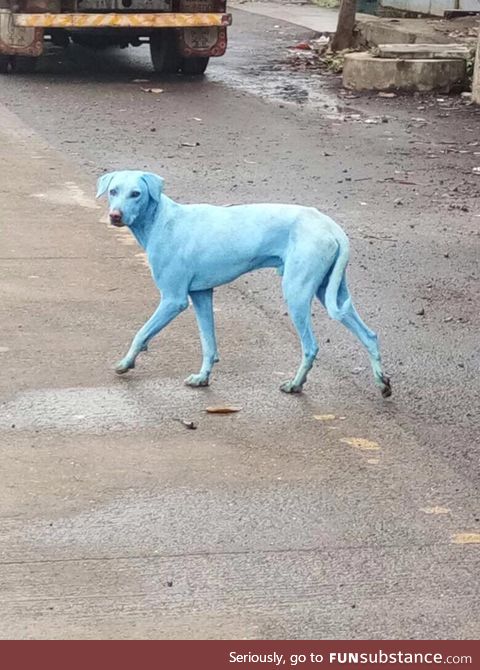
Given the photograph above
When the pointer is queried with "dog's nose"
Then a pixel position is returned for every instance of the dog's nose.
(116, 217)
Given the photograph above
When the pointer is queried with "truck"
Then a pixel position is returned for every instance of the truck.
(182, 34)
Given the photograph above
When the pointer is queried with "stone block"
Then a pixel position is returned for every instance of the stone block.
(365, 72)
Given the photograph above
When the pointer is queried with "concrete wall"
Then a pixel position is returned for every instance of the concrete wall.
(432, 7)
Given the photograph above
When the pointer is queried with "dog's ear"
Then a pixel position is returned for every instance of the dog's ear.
(154, 185)
(103, 183)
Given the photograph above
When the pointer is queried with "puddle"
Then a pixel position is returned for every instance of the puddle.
(279, 82)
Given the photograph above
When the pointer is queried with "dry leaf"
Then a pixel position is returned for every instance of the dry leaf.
(153, 90)
(324, 417)
(435, 510)
(466, 538)
(222, 409)
(360, 443)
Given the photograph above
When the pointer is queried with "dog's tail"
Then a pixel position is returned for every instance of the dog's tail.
(337, 297)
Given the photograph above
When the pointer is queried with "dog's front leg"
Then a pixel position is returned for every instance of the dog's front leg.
(168, 309)
(203, 304)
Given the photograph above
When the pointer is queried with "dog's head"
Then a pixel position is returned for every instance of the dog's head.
(130, 194)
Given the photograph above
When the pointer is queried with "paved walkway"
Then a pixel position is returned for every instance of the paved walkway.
(312, 17)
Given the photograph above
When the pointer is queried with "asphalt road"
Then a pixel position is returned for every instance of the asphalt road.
(117, 521)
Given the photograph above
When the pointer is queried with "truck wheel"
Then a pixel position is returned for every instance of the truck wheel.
(19, 64)
(164, 51)
(4, 64)
(195, 65)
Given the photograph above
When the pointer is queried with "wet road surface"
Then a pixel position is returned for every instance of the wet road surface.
(334, 514)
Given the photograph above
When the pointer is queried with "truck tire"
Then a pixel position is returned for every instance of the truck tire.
(4, 63)
(164, 51)
(17, 64)
(195, 65)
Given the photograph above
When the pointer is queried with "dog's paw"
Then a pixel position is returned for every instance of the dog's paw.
(386, 387)
(196, 381)
(124, 366)
(290, 387)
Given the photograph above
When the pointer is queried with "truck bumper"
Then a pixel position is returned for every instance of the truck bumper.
(160, 20)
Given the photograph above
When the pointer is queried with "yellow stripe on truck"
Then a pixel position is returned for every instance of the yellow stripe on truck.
(162, 20)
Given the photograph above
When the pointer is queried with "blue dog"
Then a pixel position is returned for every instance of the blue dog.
(192, 249)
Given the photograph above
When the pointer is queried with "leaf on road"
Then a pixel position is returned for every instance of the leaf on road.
(324, 417)
(435, 510)
(222, 409)
(153, 90)
(466, 538)
(361, 443)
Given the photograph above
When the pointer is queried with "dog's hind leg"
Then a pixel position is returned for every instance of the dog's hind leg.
(352, 320)
(298, 296)
(203, 304)
(168, 309)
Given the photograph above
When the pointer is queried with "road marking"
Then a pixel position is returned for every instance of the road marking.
(143, 259)
(127, 240)
(361, 443)
(435, 510)
(466, 538)
(71, 194)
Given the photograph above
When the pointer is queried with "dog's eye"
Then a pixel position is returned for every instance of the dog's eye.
(135, 194)
(113, 191)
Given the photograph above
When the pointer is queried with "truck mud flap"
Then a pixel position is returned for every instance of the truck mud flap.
(210, 41)
(18, 40)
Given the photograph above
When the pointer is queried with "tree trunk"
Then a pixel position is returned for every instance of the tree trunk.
(343, 37)
(476, 76)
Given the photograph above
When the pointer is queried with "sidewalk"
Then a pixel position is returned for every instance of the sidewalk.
(371, 30)
(312, 17)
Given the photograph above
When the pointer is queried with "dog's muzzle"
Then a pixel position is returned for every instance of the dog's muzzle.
(116, 219)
